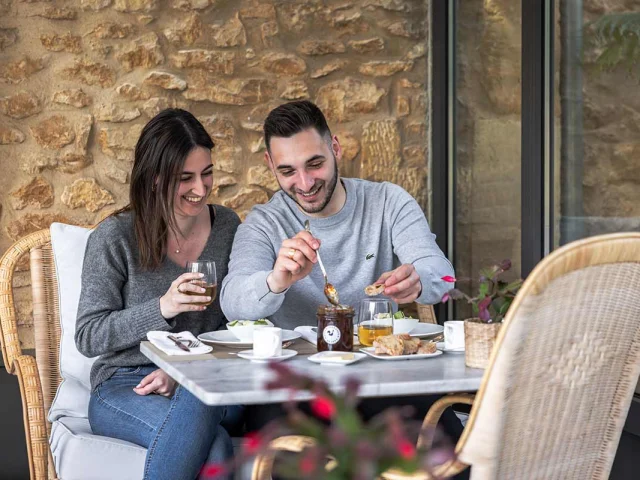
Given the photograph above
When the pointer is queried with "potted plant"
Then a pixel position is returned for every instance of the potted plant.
(489, 307)
(339, 445)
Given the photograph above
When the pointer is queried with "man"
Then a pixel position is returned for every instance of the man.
(368, 232)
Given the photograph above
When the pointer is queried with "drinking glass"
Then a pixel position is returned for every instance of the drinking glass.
(375, 319)
(209, 282)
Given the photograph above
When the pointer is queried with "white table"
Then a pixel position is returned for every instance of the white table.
(228, 380)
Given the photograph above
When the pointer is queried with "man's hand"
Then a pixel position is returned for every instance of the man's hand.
(402, 285)
(156, 382)
(294, 262)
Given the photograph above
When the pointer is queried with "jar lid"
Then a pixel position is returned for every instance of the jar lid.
(334, 309)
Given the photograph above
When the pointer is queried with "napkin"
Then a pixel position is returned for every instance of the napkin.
(310, 334)
(160, 339)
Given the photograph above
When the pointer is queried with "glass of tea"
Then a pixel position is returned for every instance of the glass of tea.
(209, 282)
(375, 319)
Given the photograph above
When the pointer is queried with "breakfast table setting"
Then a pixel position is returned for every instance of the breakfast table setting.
(231, 366)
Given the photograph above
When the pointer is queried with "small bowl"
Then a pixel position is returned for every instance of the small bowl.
(404, 325)
(244, 333)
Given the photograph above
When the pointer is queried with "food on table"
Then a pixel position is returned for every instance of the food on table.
(244, 323)
(389, 345)
(426, 347)
(375, 289)
(411, 345)
(403, 344)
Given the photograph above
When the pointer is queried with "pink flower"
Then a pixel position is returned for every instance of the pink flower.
(252, 442)
(445, 298)
(213, 470)
(406, 449)
(323, 407)
(448, 278)
(307, 464)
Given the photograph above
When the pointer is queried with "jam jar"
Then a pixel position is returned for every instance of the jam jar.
(335, 328)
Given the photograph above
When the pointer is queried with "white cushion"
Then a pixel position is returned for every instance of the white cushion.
(72, 398)
(79, 454)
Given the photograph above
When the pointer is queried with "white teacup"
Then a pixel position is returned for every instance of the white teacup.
(267, 342)
(454, 335)
(404, 325)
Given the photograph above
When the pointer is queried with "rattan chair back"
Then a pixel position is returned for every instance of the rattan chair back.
(562, 376)
(37, 389)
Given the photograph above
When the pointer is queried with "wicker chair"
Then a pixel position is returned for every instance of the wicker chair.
(555, 396)
(38, 377)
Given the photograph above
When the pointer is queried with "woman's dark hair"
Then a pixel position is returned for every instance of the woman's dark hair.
(163, 146)
(294, 117)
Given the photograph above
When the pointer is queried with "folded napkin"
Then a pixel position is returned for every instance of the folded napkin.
(160, 339)
(310, 334)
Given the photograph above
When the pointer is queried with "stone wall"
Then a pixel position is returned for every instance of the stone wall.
(79, 79)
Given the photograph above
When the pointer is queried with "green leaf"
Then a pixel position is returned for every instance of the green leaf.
(484, 289)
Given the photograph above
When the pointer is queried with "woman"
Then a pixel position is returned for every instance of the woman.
(133, 282)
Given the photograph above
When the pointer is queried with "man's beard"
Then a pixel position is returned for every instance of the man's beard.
(330, 189)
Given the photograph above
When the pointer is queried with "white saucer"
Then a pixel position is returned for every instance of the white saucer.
(334, 358)
(225, 337)
(426, 330)
(440, 346)
(416, 356)
(248, 354)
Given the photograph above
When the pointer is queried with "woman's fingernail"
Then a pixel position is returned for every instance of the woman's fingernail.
(200, 274)
(138, 386)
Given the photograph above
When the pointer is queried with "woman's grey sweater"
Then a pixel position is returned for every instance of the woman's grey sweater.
(120, 303)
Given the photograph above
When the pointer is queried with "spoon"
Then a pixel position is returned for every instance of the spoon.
(329, 290)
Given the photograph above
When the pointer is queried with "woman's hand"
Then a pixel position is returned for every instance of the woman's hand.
(156, 382)
(176, 301)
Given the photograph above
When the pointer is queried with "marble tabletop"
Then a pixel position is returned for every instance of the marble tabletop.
(221, 378)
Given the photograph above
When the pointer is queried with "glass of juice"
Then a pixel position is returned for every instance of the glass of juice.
(209, 282)
(375, 319)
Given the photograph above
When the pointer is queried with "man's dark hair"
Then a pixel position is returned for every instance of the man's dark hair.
(294, 117)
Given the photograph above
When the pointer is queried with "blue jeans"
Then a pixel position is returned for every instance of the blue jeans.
(180, 433)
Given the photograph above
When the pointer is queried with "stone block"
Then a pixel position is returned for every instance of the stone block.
(54, 132)
(384, 68)
(332, 66)
(320, 47)
(165, 80)
(144, 52)
(283, 64)
(229, 34)
(296, 90)
(87, 193)
(61, 43)
(212, 61)
(20, 70)
(37, 193)
(90, 73)
(342, 100)
(74, 97)
(20, 105)
(369, 45)
(9, 135)
(185, 32)
(233, 92)
(262, 176)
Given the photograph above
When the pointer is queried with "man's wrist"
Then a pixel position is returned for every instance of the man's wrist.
(273, 288)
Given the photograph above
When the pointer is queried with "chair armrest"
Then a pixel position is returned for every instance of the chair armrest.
(36, 429)
(263, 464)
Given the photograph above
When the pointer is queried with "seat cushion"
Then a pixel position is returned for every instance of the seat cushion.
(72, 398)
(79, 454)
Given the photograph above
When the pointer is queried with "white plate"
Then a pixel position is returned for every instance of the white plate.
(248, 354)
(440, 346)
(370, 351)
(426, 330)
(333, 358)
(225, 337)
